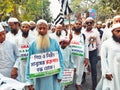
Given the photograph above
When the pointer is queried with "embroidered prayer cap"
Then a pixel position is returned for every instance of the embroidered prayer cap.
(25, 22)
(117, 25)
(1, 28)
(12, 19)
(42, 21)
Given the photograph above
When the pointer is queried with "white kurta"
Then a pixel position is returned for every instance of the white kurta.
(57, 38)
(79, 60)
(11, 37)
(23, 42)
(9, 57)
(106, 34)
(110, 63)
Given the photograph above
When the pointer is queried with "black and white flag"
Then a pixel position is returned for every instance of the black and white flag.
(65, 10)
(59, 19)
(65, 7)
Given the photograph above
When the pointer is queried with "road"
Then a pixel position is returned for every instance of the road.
(88, 84)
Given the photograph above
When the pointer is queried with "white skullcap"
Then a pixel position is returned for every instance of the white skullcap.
(1, 28)
(25, 22)
(63, 38)
(103, 23)
(117, 16)
(99, 22)
(32, 22)
(89, 18)
(12, 19)
(117, 25)
(42, 21)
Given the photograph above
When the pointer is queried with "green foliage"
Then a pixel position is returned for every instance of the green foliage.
(25, 9)
(106, 9)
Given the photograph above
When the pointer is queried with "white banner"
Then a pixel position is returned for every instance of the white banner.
(67, 77)
(23, 49)
(44, 64)
(77, 48)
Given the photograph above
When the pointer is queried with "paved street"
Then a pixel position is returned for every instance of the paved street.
(87, 85)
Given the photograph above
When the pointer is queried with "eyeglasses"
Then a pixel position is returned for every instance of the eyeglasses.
(89, 23)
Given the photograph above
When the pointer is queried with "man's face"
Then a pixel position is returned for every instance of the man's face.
(25, 28)
(13, 27)
(32, 26)
(116, 34)
(2, 36)
(78, 25)
(117, 20)
(64, 44)
(58, 30)
(89, 24)
(99, 26)
(42, 29)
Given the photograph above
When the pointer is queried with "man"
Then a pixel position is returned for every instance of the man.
(93, 38)
(5, 26)
(9, 56)
(66, 52)
(99, 28)
(107, 33)
(33, 28)
(23, 42)
(116, 19)
(44, 44)
(110, 61)
(80, 54)
(14, 29)
(59, 32)
(32, 25)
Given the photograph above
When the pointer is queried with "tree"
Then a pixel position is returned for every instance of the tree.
(25, 9)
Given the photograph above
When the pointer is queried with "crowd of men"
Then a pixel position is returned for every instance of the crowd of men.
(78, 46)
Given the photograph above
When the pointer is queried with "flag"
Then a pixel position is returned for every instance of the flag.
(59, 19)
(65, 7)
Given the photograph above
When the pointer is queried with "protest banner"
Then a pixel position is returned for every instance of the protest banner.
(44, 64)
(23, 49)
(77, 48)
(67, 77)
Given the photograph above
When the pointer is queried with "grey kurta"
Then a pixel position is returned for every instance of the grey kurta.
(9, 57)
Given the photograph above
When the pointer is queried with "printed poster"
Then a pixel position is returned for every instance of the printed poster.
(67, 77)
(44, 64)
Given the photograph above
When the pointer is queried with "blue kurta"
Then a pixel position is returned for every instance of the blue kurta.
(49, 82)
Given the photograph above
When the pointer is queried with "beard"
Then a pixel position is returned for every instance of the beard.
(58, 33)
(32, 28)
(78, 30)
(43, 42)
(25, 33)
(117, 39)
(14, 31)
